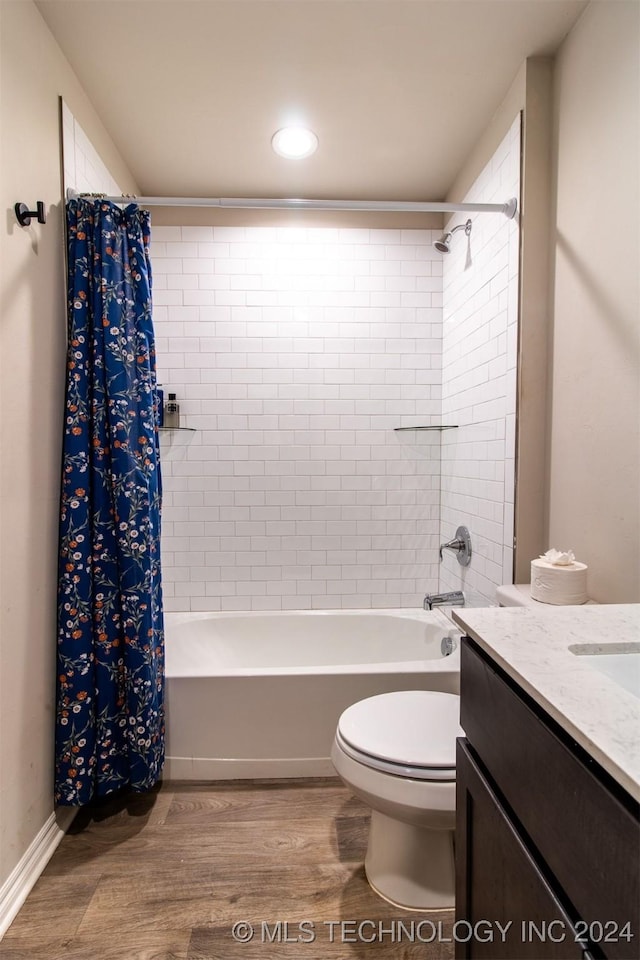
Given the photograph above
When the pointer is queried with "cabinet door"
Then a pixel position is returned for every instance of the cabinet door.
(498, 884)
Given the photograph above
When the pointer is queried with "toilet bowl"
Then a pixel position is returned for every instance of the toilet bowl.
(396, 752)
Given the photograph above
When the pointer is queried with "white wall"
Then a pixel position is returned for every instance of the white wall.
(294, 353)
(594, 465)
(33, 339)
(479, 365)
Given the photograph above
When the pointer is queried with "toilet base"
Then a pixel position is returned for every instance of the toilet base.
(411, 867)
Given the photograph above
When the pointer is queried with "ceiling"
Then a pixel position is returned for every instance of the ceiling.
(398, 91)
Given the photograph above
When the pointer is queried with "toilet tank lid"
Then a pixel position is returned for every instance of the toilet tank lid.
(519, 595)
(514, 595)
(411, 727)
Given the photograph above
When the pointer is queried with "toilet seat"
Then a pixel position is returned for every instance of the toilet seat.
(397, 769)
(409, 733)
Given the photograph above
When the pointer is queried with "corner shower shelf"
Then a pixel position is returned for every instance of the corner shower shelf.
(440, 427)
(172, 438)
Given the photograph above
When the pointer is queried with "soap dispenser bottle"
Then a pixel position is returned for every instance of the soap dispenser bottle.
(172, 412)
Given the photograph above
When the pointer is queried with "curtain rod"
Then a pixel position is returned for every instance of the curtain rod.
(257, 203)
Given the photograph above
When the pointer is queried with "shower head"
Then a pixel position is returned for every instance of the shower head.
(444, 243)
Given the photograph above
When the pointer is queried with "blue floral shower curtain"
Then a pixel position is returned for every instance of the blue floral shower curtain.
(110, 717)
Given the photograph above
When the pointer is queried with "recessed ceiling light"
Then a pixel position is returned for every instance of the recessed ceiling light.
(294, 143)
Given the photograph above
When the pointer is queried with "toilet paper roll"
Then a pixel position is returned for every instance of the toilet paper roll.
(559, 584)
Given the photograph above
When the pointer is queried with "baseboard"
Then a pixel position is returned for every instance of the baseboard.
(205, 768)
(20, 882)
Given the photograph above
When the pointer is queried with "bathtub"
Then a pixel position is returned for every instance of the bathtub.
(252, 695)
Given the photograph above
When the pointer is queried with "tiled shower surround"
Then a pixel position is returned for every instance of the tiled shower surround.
(294, 353)
(479, 366)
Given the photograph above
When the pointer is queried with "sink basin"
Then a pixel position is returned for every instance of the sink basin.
(618, 661)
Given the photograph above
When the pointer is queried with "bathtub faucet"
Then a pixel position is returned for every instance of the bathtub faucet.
(453, 599)
(461, 544)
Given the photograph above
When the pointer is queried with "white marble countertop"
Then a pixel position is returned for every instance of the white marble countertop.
(532, 645)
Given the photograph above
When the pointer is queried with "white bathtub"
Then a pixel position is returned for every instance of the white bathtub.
(259, 694)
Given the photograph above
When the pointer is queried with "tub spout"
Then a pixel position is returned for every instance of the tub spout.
(453, 599)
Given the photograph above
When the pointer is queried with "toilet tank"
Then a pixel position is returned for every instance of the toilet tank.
(518, 595)
(514, 595)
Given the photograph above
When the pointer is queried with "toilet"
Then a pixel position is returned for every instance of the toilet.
(396, 752)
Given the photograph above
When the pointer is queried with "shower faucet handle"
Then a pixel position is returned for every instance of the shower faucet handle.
(461, 544)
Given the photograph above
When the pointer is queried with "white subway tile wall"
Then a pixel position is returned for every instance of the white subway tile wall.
(479, 366)
(294, 353)
(84, 170)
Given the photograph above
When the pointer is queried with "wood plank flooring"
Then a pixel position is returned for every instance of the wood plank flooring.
(165, 876)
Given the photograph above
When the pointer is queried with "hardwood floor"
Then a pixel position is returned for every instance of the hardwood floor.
(165, 876)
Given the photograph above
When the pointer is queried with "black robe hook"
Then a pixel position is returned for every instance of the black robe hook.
(24, 214)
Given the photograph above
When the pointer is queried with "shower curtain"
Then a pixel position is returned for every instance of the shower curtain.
(110, 676)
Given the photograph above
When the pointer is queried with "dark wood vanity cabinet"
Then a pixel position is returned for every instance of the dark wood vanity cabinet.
(547, 844)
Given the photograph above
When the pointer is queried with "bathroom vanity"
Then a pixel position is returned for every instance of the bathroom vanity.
(548, 784)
